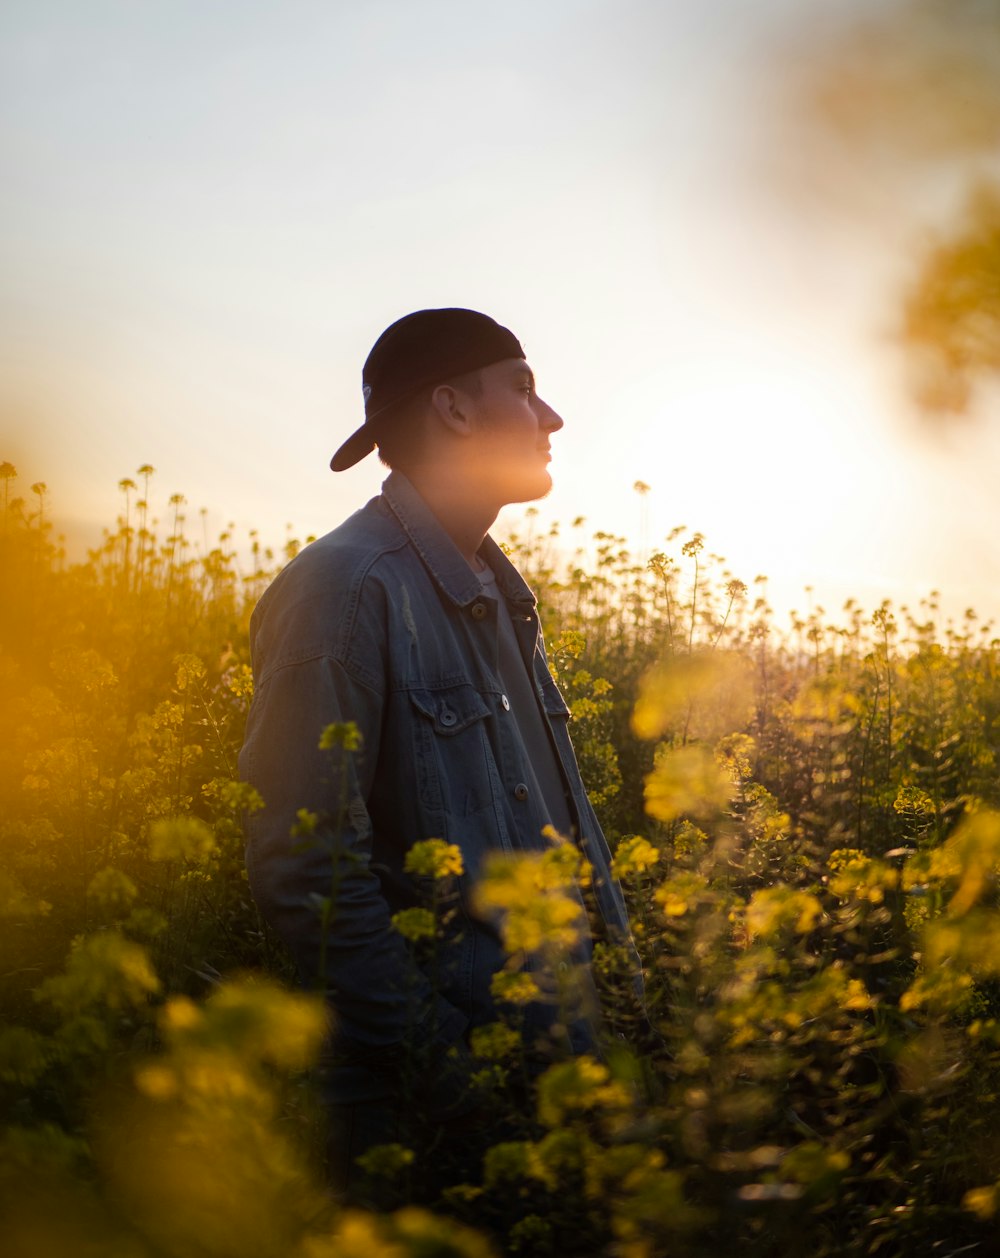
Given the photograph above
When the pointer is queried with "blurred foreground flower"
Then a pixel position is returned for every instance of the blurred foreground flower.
(702, 695)
(535, 896)
(434, 858)
(103, 969)
(181, 838)
(687, 781)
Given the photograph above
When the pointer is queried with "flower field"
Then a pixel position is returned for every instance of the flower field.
(807, 824)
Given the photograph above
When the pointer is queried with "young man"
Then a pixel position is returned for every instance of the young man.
(409, 621)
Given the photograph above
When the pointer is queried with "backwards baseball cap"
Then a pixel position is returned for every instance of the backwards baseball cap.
(421, 349)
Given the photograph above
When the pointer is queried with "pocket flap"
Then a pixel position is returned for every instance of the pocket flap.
(450, 710)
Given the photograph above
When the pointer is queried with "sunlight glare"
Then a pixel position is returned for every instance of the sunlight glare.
(768, 457)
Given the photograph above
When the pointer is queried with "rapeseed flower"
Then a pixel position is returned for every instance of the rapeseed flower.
(534, 894)
(434, 858)
(415, 924)
(103, 969)
(181, 838)
(634, 855)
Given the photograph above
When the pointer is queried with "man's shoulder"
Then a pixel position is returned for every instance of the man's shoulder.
(337, 560)
(311, 606)
(353, 545)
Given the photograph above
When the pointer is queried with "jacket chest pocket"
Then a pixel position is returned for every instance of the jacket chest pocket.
(456, 769)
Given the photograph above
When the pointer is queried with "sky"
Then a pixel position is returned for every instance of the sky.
(211, 211)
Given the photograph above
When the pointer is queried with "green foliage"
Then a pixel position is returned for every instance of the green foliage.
(807, 826)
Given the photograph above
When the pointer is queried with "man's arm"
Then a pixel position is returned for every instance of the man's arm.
(317, 890)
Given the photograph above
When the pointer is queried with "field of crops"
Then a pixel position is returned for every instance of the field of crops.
(804, 822)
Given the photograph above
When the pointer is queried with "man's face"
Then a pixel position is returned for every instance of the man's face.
(513, 427)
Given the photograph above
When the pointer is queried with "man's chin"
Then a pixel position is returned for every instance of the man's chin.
(531, 491)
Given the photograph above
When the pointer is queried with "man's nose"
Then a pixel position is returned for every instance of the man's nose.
(551, 420)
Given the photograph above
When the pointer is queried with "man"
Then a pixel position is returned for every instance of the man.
(409, 621)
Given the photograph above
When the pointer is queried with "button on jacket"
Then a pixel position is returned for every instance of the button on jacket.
(383, 623)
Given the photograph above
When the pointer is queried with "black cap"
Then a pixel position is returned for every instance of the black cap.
(421, 349)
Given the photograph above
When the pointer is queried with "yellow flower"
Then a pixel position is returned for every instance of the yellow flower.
(534, 893)
(774, 909)
(857, 876)
(812, 1161)
(514, 986)
(686, 781)
(679, 894)
(495, 1041)
(340, 734)
(386, 1159)
(253, 1020)
(415, 924)
(433, 858)
(103, 969)
(181, 838)
(983, 1202)
(112, 890)
(634, 856)
(189, 669)
(580, 1084)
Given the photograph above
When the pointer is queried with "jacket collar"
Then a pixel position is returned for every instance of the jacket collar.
(442, 557)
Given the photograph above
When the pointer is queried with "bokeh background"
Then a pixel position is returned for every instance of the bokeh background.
(726, 234)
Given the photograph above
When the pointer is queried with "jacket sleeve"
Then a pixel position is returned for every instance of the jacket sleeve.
(317, 890)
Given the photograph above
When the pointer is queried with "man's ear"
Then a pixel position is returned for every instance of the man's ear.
(454, 408)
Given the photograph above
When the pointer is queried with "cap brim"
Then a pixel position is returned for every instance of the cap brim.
(355, 448)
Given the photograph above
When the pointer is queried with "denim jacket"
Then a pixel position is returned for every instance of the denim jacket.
(383, 623)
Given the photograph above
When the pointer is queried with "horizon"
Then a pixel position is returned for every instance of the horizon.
(206, 529)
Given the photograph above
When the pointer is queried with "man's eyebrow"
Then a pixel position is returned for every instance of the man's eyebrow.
(524, 373)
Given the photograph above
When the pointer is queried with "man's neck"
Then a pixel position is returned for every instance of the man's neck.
(459, 508)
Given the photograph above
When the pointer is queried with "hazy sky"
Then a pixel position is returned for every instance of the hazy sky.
(210, 212)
